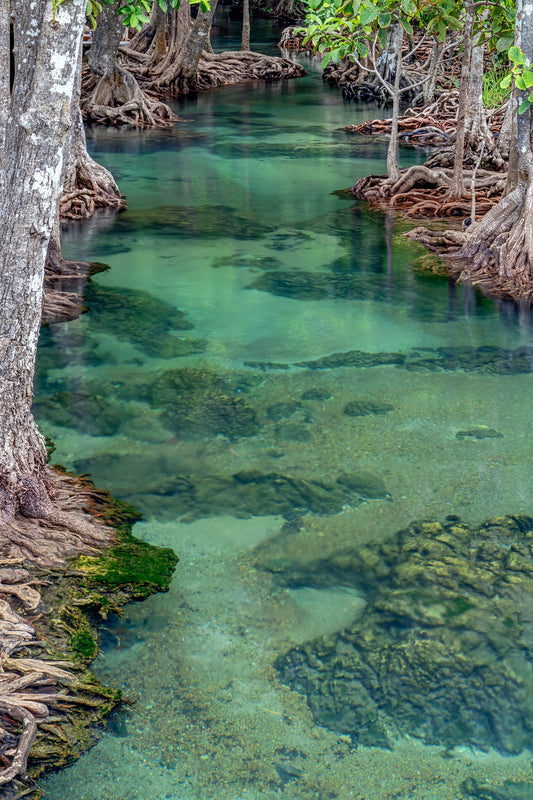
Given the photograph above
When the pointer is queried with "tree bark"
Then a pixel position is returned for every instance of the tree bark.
(499, 250)
(245, 41)
(5, 58)
(392, 152)
(87, 186)
(30, 184)
(117, 97)
(435, 61)
(457, 188)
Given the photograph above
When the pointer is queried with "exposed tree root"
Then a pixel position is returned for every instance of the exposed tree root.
(88, 187)
(223, 69)
(64, 282)
(442, 242)
(29, 687)
(421, 193)
(497, 252)
(23, 703)
(64, 529)
(434, 126)
(117, 99)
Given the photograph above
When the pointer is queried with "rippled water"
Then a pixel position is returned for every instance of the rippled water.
(267, 374)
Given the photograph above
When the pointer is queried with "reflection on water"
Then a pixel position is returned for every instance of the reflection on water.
(269, 376)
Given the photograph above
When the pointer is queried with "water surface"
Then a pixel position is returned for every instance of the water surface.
(266, 372)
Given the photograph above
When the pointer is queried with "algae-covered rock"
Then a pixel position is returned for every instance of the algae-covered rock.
(364, 483)
(284, 410)
(479, 432)
(135, 316)
(196, 404)
(241, 494)
(364, 408)
(510, 790)
(444, 650)
(354, 358)
(317, 394)
(87, 412)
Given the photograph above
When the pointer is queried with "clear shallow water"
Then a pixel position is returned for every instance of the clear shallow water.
(201, 386)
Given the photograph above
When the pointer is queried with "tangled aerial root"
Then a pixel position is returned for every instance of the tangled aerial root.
(422, 193)
(224, 69)
(431, 126)
(83, 201)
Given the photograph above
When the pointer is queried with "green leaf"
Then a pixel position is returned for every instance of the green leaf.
(406, 25)
(504, 43)
(516, 55)
(367, 16)
(362, 49)
(505, 82)
(163, 5)
(384, 20)
(527, 75)
(408, 7)
(520, 82)
(525, 105)
(326, 60)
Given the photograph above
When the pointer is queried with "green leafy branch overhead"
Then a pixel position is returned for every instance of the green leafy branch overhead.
(135, 13)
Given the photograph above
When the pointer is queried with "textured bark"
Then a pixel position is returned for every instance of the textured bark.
(477, 133)
(87, 186)
(179, 75)
(245, 41)
(457, 188)
(30, 183)
(117, 98)
(434, 66)
(5, 55)
(499, 250)
(392, 152)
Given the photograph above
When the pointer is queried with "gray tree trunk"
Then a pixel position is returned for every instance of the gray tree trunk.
(245, 40)
(457, 188)
(392, 152)
(31, 168)
(102, 56)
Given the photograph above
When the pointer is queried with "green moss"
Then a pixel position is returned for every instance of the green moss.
(84, 645)
(141, 567)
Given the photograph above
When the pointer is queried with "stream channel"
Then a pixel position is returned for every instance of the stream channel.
(268, 375)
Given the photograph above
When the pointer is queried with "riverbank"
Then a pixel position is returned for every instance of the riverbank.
(54, 616)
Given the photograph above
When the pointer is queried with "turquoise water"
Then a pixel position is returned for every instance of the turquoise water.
(267, 374)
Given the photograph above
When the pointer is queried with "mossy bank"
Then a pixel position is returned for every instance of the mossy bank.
(74, 603)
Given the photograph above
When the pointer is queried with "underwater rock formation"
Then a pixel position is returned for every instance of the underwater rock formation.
(145, 322)
(444, 650)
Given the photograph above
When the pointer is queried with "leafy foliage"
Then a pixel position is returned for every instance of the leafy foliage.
(134, 13)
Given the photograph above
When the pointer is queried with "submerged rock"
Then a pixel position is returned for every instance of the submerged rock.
(444, 650)
(479, 432)
(510, 790)
(135, 316)
(250, 492)
(282, 410)
(364, 408)
(317, 394)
